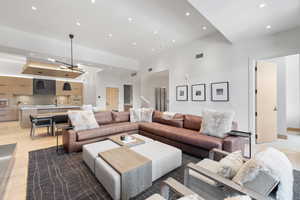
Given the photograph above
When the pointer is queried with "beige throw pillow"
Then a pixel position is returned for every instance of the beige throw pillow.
(216, 124)
(231, 164)
(82, 120)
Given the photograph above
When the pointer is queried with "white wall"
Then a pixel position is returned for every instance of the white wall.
(117, 79)
(154, 80)
(293, 91)
(222, 62)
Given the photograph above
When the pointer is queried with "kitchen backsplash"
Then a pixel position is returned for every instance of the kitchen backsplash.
(40, 100)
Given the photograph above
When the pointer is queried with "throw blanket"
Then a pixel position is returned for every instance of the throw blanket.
(168, 115)
(278, 166)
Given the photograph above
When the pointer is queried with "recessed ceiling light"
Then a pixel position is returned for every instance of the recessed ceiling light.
(110, 35)
(152, 49)
(78, 23)
(187, 14)
(155, 32)
(268, 27)
(204, 27)
(33, 8)
(262, 5)
(93, 1)
(51, 59)
(130, 19)
(134, 43)
(173, 41)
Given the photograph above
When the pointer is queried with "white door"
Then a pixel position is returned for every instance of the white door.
(266, 102)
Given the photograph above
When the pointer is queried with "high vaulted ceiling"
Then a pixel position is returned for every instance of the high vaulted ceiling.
(130, 28)
(240, 19)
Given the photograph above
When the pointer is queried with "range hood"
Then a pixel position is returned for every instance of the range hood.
(46, 69)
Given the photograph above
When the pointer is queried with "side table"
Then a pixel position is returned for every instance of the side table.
(243, 134)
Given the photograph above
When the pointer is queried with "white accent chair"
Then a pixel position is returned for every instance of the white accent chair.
(218, 187)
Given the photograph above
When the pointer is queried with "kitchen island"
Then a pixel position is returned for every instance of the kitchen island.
(25, 111)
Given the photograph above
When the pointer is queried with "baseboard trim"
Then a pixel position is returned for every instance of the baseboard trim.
(284, 137)
(294, 129)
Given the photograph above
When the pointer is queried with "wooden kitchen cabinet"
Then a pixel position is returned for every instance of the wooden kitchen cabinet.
(8, 114)
(76, 87)
(6, 85)
(23, 86)
(15, 86)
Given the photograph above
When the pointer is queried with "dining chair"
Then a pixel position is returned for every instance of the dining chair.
(60, 122)
(39, 123)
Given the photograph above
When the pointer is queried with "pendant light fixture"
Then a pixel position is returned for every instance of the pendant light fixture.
(67, 86)
(71, 66)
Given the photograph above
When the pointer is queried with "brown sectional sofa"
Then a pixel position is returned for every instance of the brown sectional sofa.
(182, 132)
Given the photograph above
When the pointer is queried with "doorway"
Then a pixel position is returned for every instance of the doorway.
(128, 97)
(266, 101)
(112, 99)
(277, 106)
(161, 99)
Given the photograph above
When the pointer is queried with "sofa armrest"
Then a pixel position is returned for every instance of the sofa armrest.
(234, 143)
(217, 154)
(69, 139)
(180, 189)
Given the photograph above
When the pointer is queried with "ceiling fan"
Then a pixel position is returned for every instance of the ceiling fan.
(71, 66)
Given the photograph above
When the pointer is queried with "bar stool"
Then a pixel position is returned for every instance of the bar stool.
(40, 123)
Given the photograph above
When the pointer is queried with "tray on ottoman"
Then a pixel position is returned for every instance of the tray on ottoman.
(135, 170)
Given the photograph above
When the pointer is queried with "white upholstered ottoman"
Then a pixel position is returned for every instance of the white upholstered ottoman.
(164, 159)
(90, 151)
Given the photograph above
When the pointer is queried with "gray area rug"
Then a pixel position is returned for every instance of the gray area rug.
(63, 176)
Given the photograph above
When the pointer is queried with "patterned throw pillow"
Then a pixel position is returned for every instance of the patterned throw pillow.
(82, 120)
(216, 123)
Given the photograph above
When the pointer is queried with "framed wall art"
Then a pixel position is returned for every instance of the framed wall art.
(220, 91)
(198, 92)
(182, 93)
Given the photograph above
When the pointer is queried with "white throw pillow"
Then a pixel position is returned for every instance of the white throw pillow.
(135, 115)
(141, 115)
(146, 114)
(231, 164)
(97, 109)
(83, 120)
(216, 123)
(87, 107)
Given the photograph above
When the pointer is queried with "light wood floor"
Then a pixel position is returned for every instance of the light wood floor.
(10, 132)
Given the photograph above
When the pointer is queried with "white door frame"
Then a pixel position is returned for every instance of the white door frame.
(251, 94)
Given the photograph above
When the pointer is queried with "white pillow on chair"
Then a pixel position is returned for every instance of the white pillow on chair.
(231, 164)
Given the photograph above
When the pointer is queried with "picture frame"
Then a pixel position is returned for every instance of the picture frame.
(219, 91)
(198, 92)
(182, 93)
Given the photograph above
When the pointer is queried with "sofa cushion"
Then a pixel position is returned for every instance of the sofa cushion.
(192, 122)
(121, 116)
(106, 130)
(104, 117)
(177, 120)
(182, 135)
